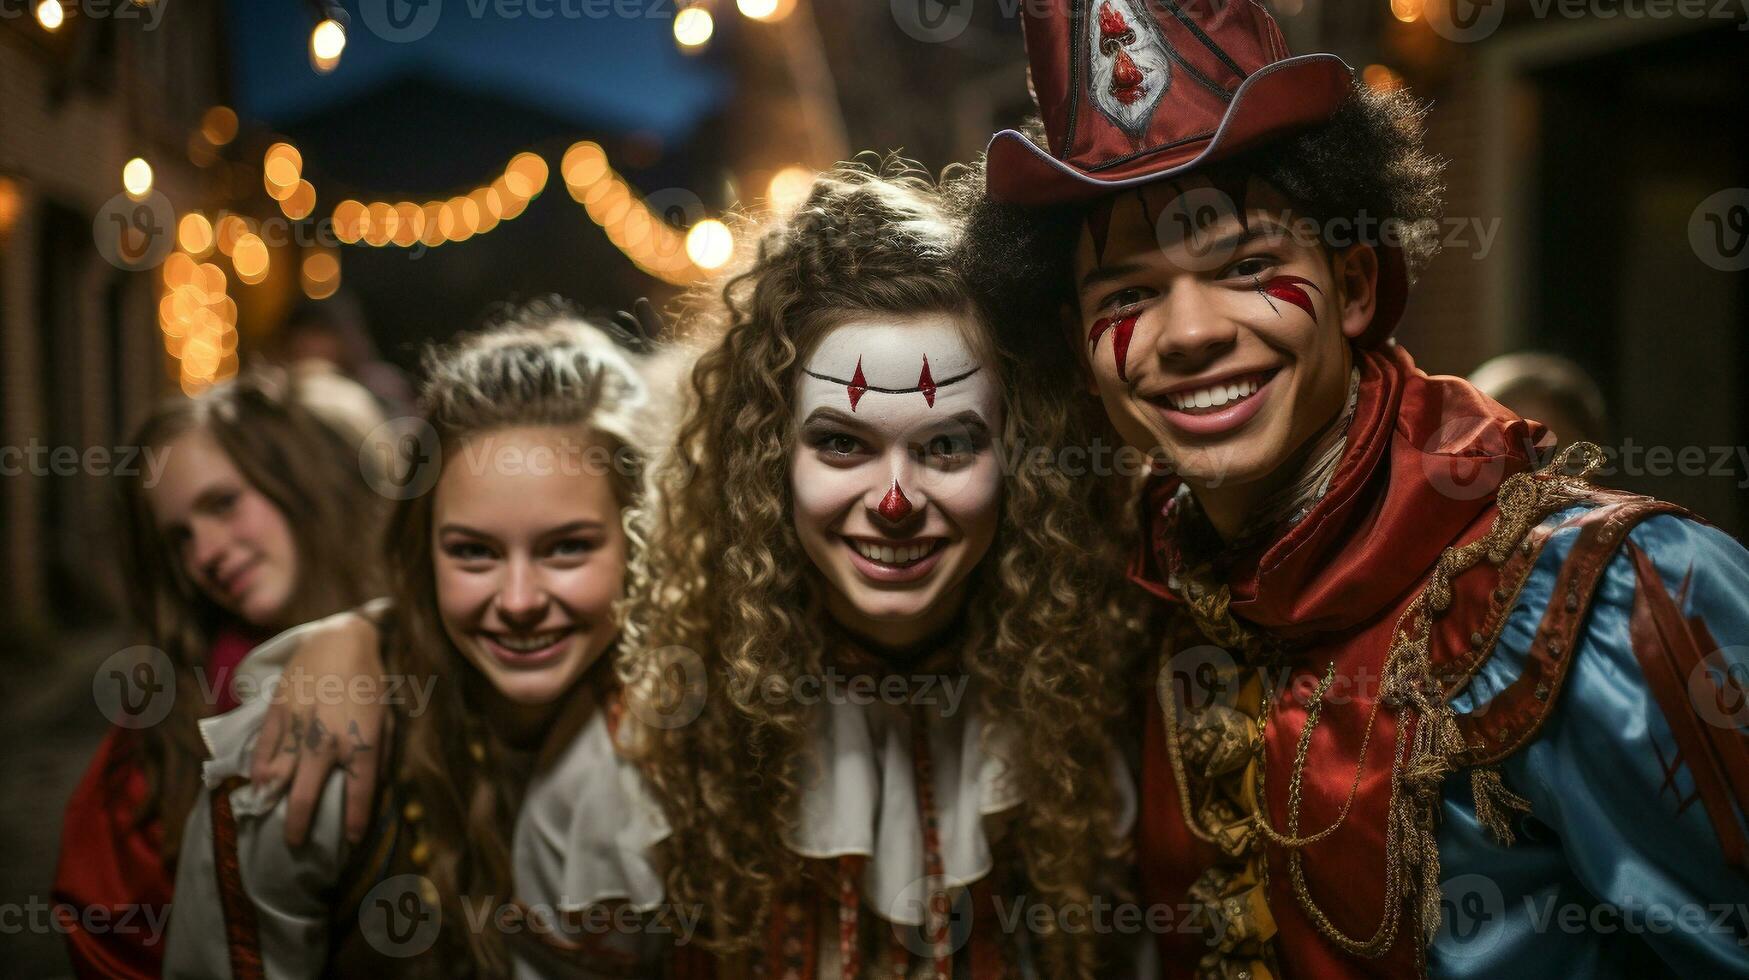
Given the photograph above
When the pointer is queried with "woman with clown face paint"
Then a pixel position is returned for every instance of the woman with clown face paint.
(869, 640)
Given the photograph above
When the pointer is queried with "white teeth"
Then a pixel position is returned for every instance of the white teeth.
(890, 555)
(1214, 396)
(525, 644)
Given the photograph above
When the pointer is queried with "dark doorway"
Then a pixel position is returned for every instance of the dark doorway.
(1632, 143)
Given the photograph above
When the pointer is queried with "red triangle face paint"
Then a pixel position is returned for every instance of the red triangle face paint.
(1121, 328)
(895, 507)
(926, 383)
(858, 384)
(1291, 289)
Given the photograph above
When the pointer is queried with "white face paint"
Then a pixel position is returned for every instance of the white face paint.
(1130, 69)
(896, 475)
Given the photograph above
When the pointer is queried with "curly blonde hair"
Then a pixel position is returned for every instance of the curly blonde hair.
(723, 574)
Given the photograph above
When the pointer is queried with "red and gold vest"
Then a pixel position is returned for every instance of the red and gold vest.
(1299, 733)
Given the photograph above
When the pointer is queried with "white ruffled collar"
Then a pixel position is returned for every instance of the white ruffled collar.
(590, 824)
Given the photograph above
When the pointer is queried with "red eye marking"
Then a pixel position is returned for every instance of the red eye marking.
(894, 506)
(858, 384)
(1121, 328)
(1288, 289)
(926, 383)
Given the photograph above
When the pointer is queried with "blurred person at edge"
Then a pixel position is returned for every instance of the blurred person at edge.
(1549, 388)
(1438, 690)
(502, 581)
(261, 519)
(330, 336)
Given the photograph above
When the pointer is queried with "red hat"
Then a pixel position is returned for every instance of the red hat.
(1135, 91)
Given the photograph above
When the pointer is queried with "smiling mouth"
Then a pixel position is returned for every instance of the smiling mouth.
(899, 554)
(528, 642)
(232, 583)
(1216, 397)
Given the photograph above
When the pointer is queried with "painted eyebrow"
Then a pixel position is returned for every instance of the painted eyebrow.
(826, 415)
(968, 418)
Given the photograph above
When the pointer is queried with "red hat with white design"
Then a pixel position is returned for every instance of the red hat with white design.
(1135, 91)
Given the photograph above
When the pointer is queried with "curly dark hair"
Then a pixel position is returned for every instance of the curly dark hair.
(724, 574)
(1368, 162)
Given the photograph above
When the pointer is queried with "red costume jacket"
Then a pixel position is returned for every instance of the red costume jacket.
(1366, 617)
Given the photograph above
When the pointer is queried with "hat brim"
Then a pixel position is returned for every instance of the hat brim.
(1288, 95)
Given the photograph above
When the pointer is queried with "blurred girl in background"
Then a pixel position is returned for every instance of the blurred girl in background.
(260, 518)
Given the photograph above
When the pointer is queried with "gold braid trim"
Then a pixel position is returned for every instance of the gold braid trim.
(1419, 766)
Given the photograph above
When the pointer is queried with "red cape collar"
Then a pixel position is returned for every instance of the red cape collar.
(1424, 458)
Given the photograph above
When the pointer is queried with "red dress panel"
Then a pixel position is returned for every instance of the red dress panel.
(112, 888)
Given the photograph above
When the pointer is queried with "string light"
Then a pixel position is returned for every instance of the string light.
(50, 15)
(693, 28)
(320, 274)
(1407, 11)
(10, 204)
(197, 319)
(710, 244)
(1381, 78)
(250, 259)
(435, 223)
(136, 178)
(194, 234)
(327, 40)
(219, 125)
(788, 189)
(757, 9)
(652, 244)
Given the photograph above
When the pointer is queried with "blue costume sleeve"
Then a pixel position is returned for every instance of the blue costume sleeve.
(1618, 871)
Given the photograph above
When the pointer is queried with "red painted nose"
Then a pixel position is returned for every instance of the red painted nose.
(894, 506)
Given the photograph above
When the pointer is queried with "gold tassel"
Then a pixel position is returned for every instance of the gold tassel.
(1495, 803)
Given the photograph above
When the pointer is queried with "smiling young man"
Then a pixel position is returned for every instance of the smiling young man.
(1404, 670)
